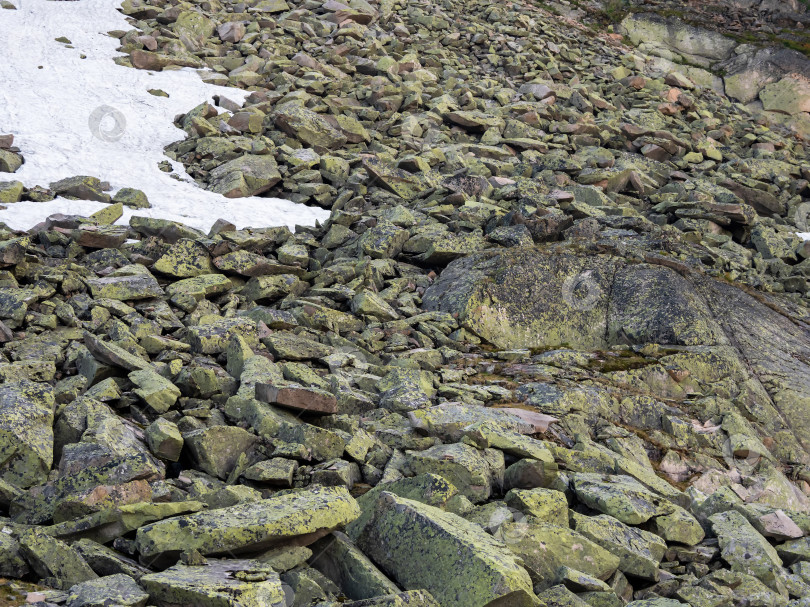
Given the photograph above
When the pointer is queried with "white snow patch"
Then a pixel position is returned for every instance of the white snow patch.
(47, 101)
(803, 235)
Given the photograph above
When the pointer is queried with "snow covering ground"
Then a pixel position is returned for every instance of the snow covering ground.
(72, 116)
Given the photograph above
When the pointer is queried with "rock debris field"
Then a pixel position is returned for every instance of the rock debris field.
(450, 303)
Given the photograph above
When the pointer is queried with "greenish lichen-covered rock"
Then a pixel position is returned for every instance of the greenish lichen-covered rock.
(11, 561)
(217, 449)
(277, 471)
(185, 259)
(81, 187)
(545, 505)
(456, 561)
(522, 298)
(429, 489)
(9, 161)
(621, 497)
(788, 96)
(340, 560)
(409, 598)
(744, 549)
(288, 346)
(270, 288)
(26, 432)
(118, 589)
(193, 25)
(451, 421)
(156, 391)
(465, 467)
(200, 286)
(655, 304)
(219, 583)
(132, 198)
(11, 191)
(50, 557)
(640, 552)
(131, 282)
(213, 337)
(301, 516)
(307, 126)
(164, 439)
(248, 175)
(544, 548)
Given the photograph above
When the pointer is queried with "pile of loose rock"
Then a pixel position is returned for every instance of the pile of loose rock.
(551, 347)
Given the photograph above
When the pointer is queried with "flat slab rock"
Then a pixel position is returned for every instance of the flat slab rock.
(300, 517)
(295, 397)
(246, 583)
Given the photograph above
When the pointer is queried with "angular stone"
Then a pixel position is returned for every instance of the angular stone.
(310, 400)
(185, 259)
(463, 466)
(277, 471)
(81, 187)
(544, 548)
(787, 96)
(566, 295)
(156, 391)
(220, 582)
(130, 197)
(217, 449)
(248, 175)
(341, 561)
(545, 505)
(116, 589)
(743, 548)
(164, 439)
(11, 191)
(288, 346)
(213, 337)
(640, 552)
(450, 421)
(53, 558)
(9, 161)
(112, 354)
(307, 126)
(621, 497)
(301, 517)
(270, 288)
(126, 284)
(200, 286)
(26, 432)
(11, 561)
(456, 561)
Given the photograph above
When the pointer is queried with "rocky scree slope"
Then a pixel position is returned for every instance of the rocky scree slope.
(551, 347)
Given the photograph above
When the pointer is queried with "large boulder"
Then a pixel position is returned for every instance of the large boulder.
(697, 46)
(456, 561)
(247, 175)
(246, 583)
(525, 298)
(301, 517)
(26, 432)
